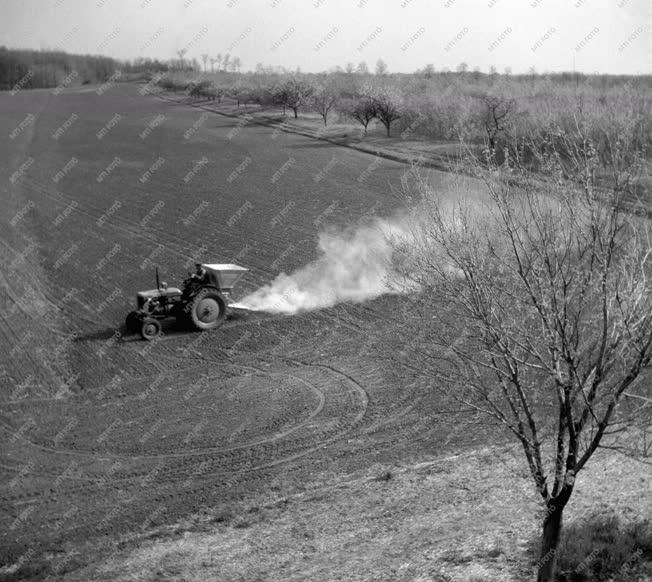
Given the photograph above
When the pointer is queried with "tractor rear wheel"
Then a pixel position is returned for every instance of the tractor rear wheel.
(150, 329)
(207, 309)
(132, 321)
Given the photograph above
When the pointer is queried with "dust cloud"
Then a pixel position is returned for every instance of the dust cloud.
(354, 265)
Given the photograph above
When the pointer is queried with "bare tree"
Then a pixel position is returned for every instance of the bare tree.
(496, 116)
(181, 53)
(429, 71)
(387, 104)
(462, 68)
(381, 67)
(278, 95)
(204, 58)
(236, 63)
(362, 68)
(537, 307)
(241, 92)
(215, 93)
(362, 110)
(293, 93)
(324, 99)
(225, 61)
(213, 62)
(349, 69)
(219, 61)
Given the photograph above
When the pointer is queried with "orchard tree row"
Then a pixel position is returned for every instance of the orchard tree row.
(449, 107)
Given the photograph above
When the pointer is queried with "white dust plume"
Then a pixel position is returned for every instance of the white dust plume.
(353, 265)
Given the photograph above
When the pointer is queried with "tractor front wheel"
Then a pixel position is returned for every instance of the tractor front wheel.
(207, 309)
(150, 329)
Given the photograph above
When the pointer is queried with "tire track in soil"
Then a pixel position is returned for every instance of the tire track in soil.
(196, 452)
(246, 470)
(53, 302)
(233, 233)
(42, 375)
(253, 461)
(58, 197)
(203, 485)
(134, 229)
(95, 318)
(383, 414)
(295, 362)
(244, 460)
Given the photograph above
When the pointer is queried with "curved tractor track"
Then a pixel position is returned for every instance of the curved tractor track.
(154, 462)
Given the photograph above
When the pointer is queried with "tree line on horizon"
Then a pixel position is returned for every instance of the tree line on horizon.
(444, 107)
(31, 69)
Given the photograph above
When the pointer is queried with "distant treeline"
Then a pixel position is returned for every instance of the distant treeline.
(31, 69)
(476, 108)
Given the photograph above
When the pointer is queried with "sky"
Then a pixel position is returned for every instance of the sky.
(591, 36)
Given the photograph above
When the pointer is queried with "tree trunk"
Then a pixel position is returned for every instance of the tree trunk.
(549, 542)
(295, 113)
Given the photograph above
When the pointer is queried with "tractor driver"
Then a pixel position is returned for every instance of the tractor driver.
(200, 276)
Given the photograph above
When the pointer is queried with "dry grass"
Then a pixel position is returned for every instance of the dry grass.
(462, 518)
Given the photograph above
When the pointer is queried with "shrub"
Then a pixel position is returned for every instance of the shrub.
(602, 548)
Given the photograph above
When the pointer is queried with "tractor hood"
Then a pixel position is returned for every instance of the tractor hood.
(152, 293)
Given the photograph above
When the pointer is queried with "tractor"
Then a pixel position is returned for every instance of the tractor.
(201, 303)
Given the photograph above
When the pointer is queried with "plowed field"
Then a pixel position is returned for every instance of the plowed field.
(103, 434)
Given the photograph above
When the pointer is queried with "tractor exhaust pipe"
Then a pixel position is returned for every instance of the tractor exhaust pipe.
(158, 282)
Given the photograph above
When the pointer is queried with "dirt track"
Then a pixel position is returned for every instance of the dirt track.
(104, 434)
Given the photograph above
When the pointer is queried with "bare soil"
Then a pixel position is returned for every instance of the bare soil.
(109, 442)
